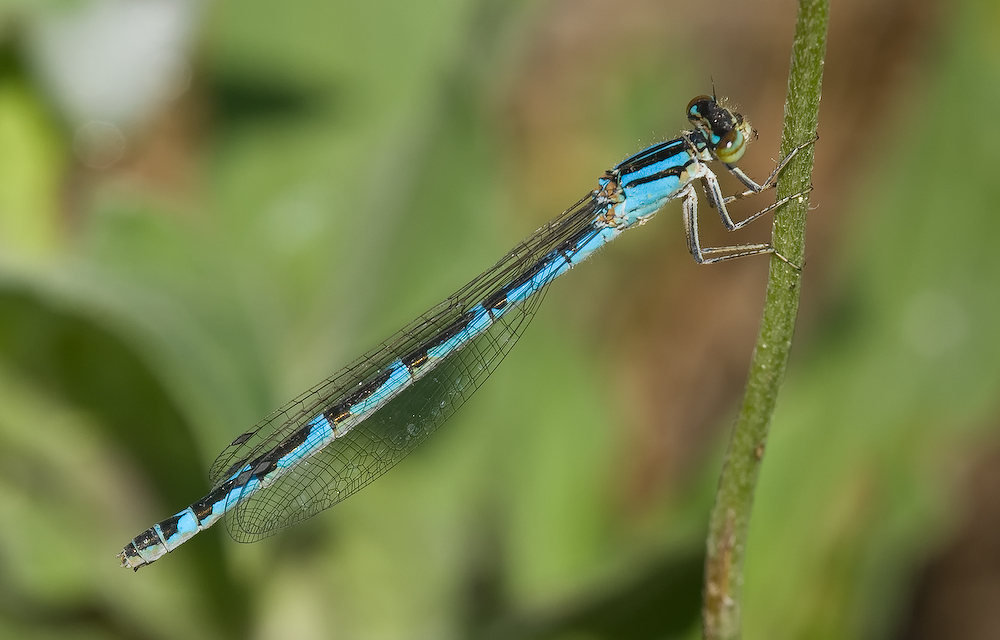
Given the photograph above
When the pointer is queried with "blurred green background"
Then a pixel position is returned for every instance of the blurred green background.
(208, 206)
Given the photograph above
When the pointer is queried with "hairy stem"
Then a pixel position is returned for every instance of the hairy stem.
(730, 520)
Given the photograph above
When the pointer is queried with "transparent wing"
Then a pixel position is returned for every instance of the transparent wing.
(372, 447)
(382, 439)
(268, 433)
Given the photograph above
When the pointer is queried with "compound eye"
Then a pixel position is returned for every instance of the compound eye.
(696, 108)
(731, 147)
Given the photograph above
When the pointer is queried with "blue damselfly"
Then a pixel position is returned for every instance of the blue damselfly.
(340, 435)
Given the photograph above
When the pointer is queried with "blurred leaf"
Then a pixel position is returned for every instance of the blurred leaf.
(61, 487)
(31, 159)
(80, 363)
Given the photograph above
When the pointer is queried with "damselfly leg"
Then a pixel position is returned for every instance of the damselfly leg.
(713, 193)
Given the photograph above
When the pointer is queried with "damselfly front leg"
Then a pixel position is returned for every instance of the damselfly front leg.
(716, 199)
(713, 192)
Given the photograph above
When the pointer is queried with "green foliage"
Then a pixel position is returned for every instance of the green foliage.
(350, 165)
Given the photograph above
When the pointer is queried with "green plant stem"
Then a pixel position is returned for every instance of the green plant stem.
(730, 520)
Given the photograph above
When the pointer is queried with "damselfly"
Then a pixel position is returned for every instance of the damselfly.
(340, 435)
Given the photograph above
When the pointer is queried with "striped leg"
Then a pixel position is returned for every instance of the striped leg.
(713, 192)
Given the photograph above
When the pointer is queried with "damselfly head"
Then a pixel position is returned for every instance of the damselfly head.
(726, 131)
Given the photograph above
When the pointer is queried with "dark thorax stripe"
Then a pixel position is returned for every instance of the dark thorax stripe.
(659, 153)
(666, 173)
